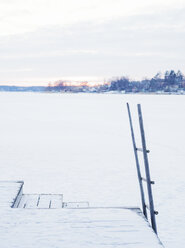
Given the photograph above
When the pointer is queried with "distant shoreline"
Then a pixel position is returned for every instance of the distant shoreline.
(44, 89)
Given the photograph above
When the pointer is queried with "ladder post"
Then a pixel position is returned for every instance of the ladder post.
(147, 170)
(137, 163)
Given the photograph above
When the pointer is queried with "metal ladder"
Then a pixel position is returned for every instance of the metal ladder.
(141, 179)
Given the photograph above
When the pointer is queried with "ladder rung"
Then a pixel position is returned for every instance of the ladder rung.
(155, 212)
(141, 150)
(144, 179)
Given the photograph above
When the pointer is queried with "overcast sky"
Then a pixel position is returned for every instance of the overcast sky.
(46, 40)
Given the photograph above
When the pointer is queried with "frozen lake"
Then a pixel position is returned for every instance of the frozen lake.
(80, 145)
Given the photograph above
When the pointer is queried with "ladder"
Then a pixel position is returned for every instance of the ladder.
(145, 179)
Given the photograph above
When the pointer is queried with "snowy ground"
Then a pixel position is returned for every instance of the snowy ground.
(80, 145)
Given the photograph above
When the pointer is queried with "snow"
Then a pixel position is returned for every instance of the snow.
(79, 145)
(72, 228)
(86, 227)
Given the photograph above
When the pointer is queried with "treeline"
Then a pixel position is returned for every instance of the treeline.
(170, 81)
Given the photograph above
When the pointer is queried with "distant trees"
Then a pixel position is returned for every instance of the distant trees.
(172, 78)
(170, 81)
(58, 86)
(120, 84)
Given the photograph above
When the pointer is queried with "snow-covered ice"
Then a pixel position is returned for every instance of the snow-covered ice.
(79, 145)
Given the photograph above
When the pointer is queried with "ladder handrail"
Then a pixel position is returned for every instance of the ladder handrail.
(147, 170)
(146, 165)
(137, 163)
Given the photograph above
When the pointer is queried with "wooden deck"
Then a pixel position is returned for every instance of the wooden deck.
(77, 227)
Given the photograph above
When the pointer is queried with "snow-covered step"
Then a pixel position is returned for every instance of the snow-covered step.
(41, 201)
(10, 193)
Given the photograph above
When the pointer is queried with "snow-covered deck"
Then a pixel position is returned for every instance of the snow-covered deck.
(74, 228)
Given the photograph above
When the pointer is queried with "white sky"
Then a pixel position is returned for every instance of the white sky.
(44, 40)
